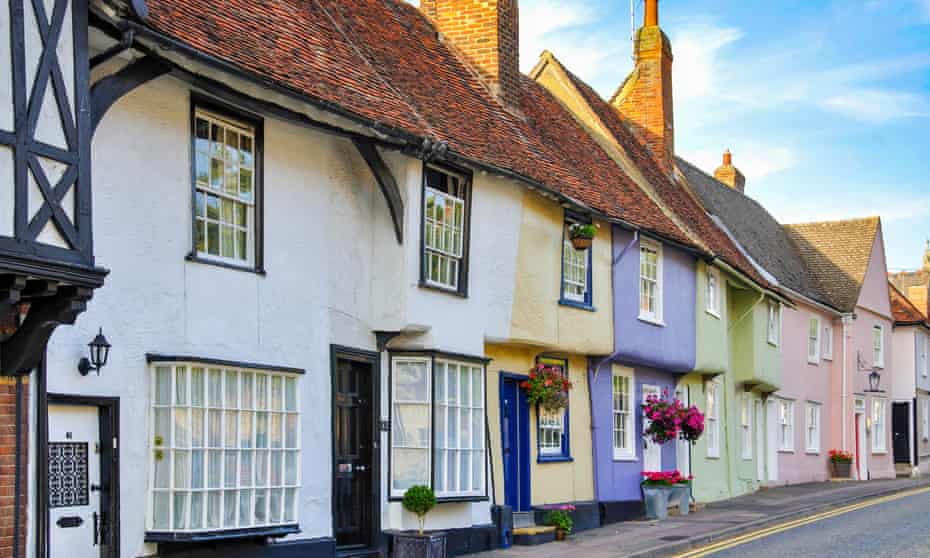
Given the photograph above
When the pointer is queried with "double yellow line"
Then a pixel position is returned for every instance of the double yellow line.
(737, 541)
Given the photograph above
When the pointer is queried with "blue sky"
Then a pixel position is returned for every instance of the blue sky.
(825, 104)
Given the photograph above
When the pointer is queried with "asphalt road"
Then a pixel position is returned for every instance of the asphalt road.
(900, 528)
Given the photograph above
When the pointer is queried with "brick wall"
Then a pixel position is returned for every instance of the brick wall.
(8, 466)
(646, 99)
(487, 33)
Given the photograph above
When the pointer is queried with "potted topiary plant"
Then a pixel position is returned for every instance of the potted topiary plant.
(582, 236)
(419, 500)
(842, 463)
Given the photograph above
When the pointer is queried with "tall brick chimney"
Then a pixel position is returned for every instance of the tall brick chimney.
(730, 175)
(487, 33)
(645, 98)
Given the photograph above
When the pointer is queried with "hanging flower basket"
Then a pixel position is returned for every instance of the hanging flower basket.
(582, 236)
(547, 387)
(670, 420)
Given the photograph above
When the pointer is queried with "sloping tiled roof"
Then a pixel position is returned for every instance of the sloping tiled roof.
(383, 60)
(837, 253)
(756, 230)
(903, 310)
(673, 196)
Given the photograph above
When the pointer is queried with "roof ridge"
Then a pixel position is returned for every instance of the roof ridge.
(869, 219)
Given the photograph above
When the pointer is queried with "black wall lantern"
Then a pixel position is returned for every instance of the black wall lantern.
(99, 352)
(874, 378)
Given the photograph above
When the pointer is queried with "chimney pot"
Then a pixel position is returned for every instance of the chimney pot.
(727, 158)
(651, 18)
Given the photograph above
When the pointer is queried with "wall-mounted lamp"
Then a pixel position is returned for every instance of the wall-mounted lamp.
(99, 352)
(874, 378)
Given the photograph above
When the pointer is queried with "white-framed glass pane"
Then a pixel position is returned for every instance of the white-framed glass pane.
(623, 417)
(574, 270)
(444, 217)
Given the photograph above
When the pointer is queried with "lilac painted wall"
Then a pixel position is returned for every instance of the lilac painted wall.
(671, 347)
(619, 480)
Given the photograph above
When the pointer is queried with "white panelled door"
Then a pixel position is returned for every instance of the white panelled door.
(652, 452)
(73, 480)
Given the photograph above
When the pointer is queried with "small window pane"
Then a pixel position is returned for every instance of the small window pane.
(162, 386)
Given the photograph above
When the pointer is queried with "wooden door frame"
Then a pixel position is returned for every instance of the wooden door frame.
(527, 470)
(340, 352)
(109, 429)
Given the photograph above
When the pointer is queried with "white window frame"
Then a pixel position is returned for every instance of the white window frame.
(433, 392)
(553, 422)
(774, 323)
(628, 416)
(432, 251)
(878, 345)
(925, 419)
(923, 348)
(828, 342)
(879, 430)
(225, 198)
(812, 419)
(746, 441)
(813, 343)
(655, 314)
(712, 417)
(220, 448)
(786, 425)
(713, 292)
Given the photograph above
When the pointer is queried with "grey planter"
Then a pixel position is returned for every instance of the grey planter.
(656, 499)
(415, 545)
(682, 494)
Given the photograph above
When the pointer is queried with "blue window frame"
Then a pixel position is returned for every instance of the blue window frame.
(576, 268)
(552, 428)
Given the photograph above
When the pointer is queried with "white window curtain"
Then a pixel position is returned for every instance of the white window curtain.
(713, 291)
(879, 436)
(813, 428)
(828, 342)
(623, 416)
(786, 425)
(411, 425)
(878, 346)
(774, 325)
(813, 341)
(225, 448)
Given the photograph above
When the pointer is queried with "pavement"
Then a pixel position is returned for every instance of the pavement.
(713, 522)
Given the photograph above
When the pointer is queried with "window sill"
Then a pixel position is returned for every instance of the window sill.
(773, 343)
(194, 258)
(446, 499)
(812, 452)
(713, 456)
(813, 362)
(579, 305)
(651, 321)
(554, 459)
(712, 313)
(220, 534)
(747, 458)
(879, 452)
(786, 451)
(625, 458)
(444, 290)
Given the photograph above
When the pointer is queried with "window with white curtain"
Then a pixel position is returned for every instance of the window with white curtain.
(812, 437)
(774, 323)
(879, 435)
(624, 428)
(712, 418)
(746, 426)
(650, 280)
(225, 448)
(925, 419)
(813, 340)
(786, 425)
(878, 346)
(713, 292)
(439, 440)
(828, 342)
(923, 346)
(576, 265)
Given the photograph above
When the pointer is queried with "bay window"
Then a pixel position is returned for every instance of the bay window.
(712, 418)
(438, 425)
(446, 207)
(623, 404)
(650, 281)
(224, 448)
(226, 151)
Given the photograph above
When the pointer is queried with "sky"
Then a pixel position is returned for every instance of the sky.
(825, 104)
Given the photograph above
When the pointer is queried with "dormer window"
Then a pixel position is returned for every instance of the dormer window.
(446, 207)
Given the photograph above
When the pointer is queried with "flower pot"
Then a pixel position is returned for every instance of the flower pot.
(560, 534)
(842, 470)
(414, 545)
(581, 243)
(656, 499)
(682, 494)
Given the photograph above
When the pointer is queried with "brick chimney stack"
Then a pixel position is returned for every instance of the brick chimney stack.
(645, 98)
(730, 175)
(487, 33)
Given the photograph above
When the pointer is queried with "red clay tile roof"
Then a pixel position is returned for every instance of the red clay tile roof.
(383, 60)
(903, 310)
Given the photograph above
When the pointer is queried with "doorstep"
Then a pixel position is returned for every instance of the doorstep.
(532, 536)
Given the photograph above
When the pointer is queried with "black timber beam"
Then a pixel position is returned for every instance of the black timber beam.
(112, 88)
(386, 182)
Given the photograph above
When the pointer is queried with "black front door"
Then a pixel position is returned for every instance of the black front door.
(352, 463)
(900, 432)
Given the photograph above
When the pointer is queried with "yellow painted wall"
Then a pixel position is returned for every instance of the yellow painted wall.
(538, 319)
(551, 483)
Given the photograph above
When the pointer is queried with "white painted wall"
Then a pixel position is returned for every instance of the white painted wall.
(904, 349)
(335, 273)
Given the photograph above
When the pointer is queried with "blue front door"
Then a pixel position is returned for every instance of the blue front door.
(515, 439)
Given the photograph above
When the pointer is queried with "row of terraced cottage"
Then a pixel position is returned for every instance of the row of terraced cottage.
(327, 241)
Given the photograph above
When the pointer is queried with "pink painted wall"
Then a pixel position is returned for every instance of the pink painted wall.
(805, 382)
(873, 308)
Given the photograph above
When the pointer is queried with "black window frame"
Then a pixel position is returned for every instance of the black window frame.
(432, 355)
(236, 114)
(468, 182)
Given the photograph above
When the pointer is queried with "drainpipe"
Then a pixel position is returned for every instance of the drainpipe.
(592, 376)
(615, 354)
(843, 396)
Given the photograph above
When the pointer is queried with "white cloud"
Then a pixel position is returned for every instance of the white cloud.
(755, 160)
(833, 207)
(697, 49)
(549, 25)
(876, 105)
